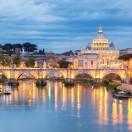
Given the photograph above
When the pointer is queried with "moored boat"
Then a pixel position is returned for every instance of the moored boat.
(122, 95)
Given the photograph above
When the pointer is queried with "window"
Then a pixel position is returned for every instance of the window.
(91, 62)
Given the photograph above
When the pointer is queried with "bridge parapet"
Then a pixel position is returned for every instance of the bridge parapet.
(60, 72)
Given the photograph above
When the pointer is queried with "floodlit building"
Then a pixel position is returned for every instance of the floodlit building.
(100, 55)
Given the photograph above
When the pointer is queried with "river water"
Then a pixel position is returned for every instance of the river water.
(59, 109)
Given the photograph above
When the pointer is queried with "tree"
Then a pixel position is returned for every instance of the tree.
(17, 46)
(68, 53)
(17, 60)
(125, 57)
(8, 48)
(29, 47)
(5, 60)
(42, 51)
(64, 64)
(3, 79)
(30, 62)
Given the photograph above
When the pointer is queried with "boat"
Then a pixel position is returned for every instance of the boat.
(122, 95)
(7, 90)
(7, 93)
(1, 93)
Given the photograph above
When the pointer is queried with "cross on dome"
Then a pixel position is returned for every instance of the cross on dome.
(100, 30)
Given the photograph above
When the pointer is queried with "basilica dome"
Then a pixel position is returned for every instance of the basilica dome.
(100, 41)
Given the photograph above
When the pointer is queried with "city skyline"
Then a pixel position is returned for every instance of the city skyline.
(65, 25)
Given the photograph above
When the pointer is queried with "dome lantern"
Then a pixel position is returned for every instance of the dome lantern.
(100, 30)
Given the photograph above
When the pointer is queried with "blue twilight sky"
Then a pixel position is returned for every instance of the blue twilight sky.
(61, 25)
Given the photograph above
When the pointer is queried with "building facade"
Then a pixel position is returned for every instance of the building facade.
(101, 54)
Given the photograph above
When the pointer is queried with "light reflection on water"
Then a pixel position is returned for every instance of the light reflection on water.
(88, 106)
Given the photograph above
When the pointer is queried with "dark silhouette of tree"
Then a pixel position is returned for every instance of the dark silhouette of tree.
(125, 57)
(11, 48)
(68, 53)
(29, 47)
(17, 46)
(42, 51)
(64, 64)
(8, 48)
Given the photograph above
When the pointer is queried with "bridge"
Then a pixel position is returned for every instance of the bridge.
(36, 73)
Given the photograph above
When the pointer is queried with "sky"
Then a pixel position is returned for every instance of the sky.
(62, 25)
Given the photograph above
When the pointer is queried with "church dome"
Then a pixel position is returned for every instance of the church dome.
(100, 41)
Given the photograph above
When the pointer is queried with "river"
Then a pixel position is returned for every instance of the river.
(59, 109)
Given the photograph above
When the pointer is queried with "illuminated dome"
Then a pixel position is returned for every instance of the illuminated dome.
(100, 41)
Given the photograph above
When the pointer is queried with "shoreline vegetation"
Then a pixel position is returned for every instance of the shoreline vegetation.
(117, 93)
(111, 85)
(69, 83)
(40, 83)
(3, 79)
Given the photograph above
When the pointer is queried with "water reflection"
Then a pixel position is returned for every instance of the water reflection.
(74, 100)
(100, 100)
(103, 101)
(130, 114)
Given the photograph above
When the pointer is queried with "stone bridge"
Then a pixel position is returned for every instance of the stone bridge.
(37, 73)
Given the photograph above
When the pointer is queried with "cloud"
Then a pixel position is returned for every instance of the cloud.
(60, 25)
(18, 10)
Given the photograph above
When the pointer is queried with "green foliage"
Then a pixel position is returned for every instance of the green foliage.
(29, 47)
(3, 79)
(88, 81)
(17, 60)
(10, 48)
(125, 57)
(5, 60)
(111, 84)
(68, 84)
(68, 53)
(106, 82)
(64, 64)
(41, 83)
(42, 51)
(30, 62)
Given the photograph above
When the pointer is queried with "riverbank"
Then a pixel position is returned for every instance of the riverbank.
(111, 85)
(124, 86)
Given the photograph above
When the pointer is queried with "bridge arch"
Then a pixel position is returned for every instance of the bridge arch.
(55, 74)
(6, 74)
(112, 76)
(25, 75)
(83, 76)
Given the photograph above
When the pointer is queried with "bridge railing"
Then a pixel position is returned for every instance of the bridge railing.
(62, 69)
